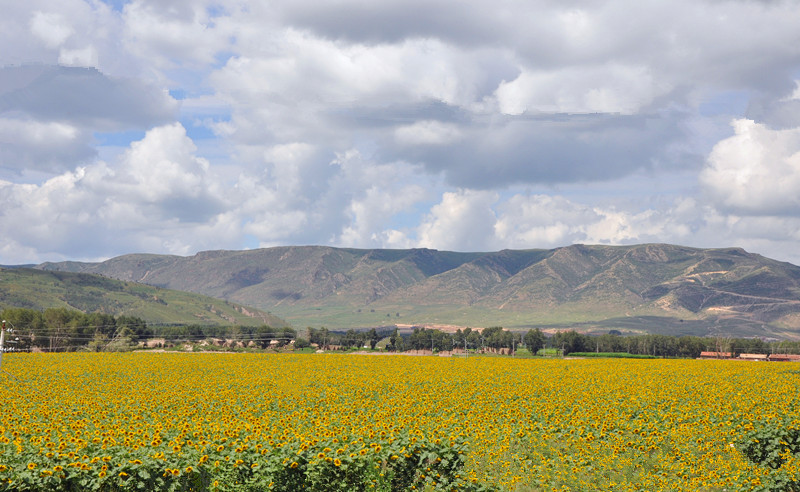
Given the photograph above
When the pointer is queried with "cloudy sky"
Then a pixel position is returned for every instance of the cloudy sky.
(176, 126)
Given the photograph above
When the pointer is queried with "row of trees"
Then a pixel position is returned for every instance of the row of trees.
(324, 338)
(494, 337)
(57, 329)
(67, 329)
(666, 345)
(567, 342)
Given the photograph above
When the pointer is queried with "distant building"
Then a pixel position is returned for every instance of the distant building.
(753, 356)
(715, 355)
(784, 357)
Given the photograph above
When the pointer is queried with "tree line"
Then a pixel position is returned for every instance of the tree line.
(58, 329)
(667, 345)
(66, 329)
(326, 339)
(565, 342)
(494, 337)
(62, 329)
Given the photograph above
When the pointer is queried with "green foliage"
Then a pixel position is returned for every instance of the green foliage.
(659, 345)
(428, 339)
(395, 342)
(67, 329)
(534, 340)
(770, 446)
(570, 341)
(58, 329)
(407, 462)
(497, 338)
(372, 338)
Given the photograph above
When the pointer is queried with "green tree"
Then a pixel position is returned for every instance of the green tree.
(474, 339)
(689, 346)
(58, 329)
(137, 327)
(351, 338)
(570, 341)
(534, 340)
(373, 338)
(392, 346)
(322, 337)
(493, 337)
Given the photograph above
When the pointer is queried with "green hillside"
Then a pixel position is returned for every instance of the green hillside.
(37, 289)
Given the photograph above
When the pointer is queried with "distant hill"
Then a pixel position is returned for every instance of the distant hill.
(37, 289)
(644, 288)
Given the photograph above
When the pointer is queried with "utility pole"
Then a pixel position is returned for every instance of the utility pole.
(2, 343)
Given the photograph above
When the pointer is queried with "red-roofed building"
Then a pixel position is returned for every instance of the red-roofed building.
(715, 355)
(784, 357)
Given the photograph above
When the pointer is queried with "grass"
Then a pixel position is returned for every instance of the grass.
(549, 352)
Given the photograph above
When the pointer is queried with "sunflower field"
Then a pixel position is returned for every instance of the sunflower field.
(169, 421)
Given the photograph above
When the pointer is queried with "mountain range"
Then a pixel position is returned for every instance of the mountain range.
(642, 288)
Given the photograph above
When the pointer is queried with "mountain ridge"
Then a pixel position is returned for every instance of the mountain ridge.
(722, 290)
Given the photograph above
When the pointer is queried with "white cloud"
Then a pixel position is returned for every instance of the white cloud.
(462, 221)
(306, 117)
(297, 68)
(796, 94)
(609, 88)
(427, 132)
(27, 144)
(372, 211)
(51, 28)
(478, 221)
(290, 165)
(158, 197)
(299, 196)
(30, 133)
(527, 221)
(171, 34)
(82, 57)
(77, 32)
(371, 196)
(621, 227)
(162, 167)
(756, 171)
